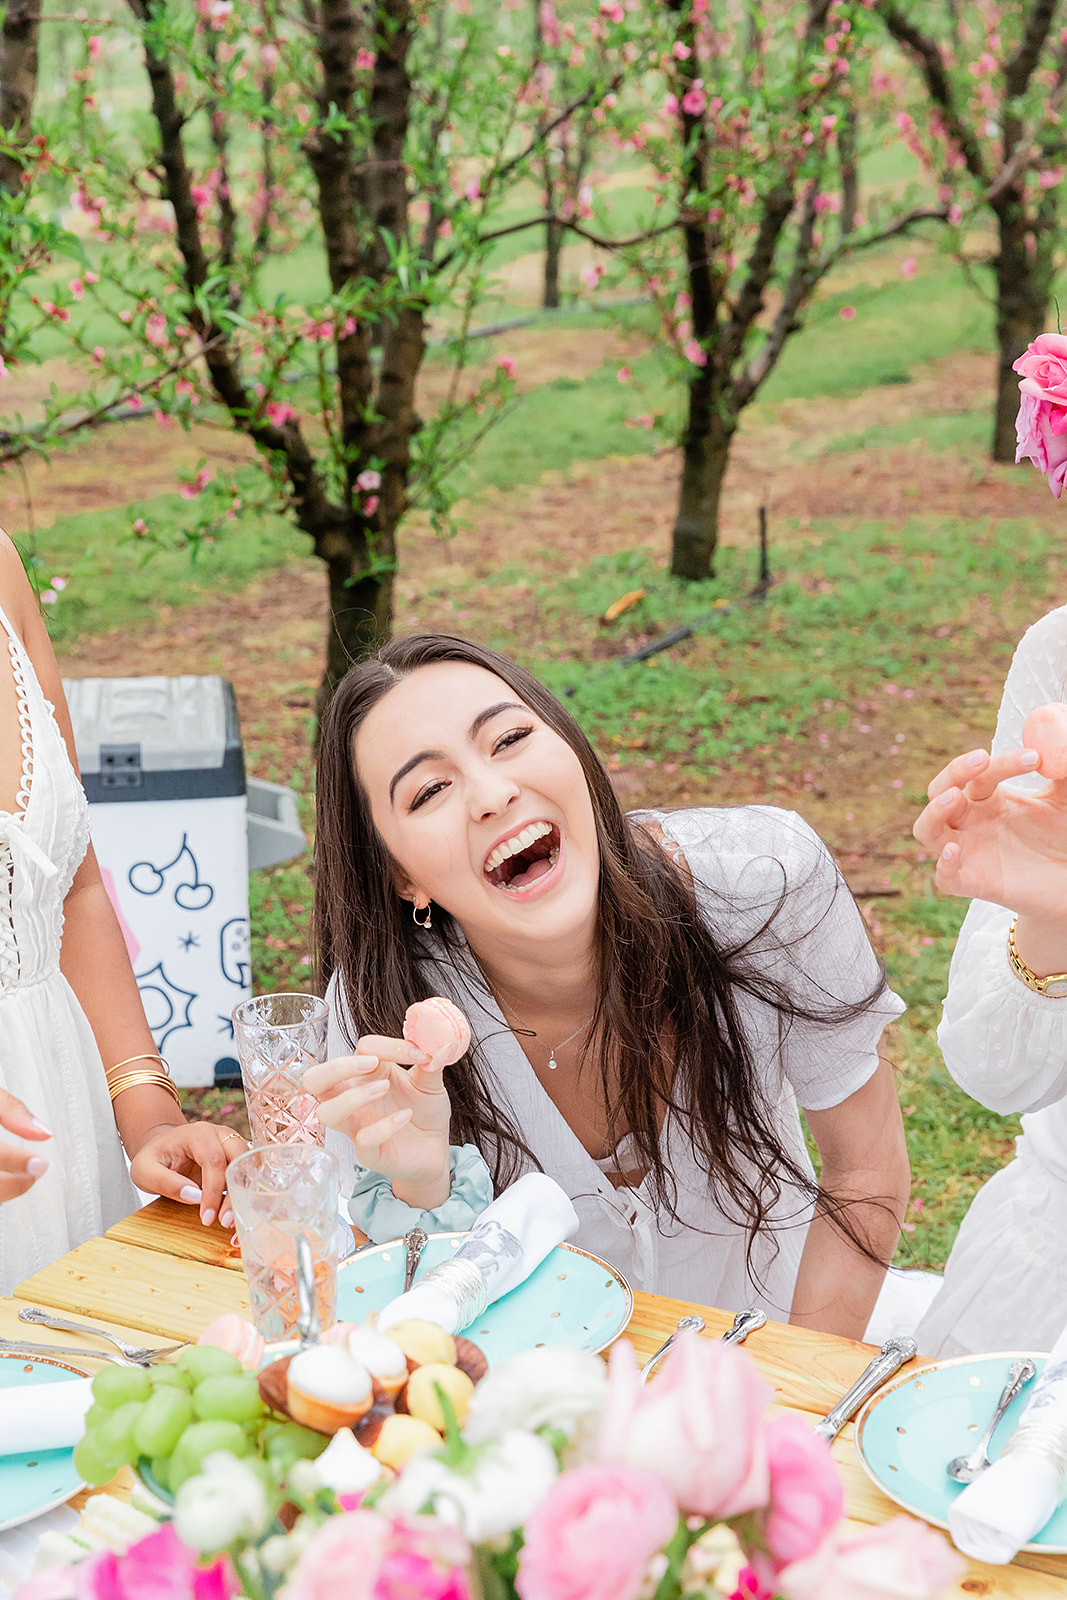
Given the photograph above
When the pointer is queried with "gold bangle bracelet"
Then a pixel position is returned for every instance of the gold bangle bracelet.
(135, 1080)
(145, 1055)
(1054, 987)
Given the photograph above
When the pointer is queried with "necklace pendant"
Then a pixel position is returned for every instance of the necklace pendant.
(552, 1062)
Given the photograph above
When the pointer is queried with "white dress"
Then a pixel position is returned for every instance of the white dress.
(741, 860)
(48, 1056)
(1006, 1281)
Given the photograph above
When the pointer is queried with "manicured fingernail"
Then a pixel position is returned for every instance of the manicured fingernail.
(378, 1088)
(207, 1217)
(226, 1220)
(950, 852)
(1029, 758)
(39, 1127)
(948, 798)
(37, 1166)
(400, 1117)
(189, 1192)
(976, 758)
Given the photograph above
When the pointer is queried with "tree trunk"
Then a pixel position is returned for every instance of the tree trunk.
(18, 84)
(553, 251)
(850, 172)
(1023, 295)
(360, 601)
(706, 452)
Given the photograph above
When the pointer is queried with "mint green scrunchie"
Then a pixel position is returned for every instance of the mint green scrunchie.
(375, 1208)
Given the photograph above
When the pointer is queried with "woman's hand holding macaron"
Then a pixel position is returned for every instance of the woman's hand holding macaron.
(389, 1098)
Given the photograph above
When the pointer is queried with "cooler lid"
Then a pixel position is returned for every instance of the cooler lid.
(180, 724)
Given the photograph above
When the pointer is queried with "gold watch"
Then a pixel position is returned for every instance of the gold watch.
(1054, 986)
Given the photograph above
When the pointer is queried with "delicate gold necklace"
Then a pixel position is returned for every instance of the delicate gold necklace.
(525, 1026)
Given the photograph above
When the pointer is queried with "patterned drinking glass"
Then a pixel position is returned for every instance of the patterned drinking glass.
(278, 1036)
(278, 1191)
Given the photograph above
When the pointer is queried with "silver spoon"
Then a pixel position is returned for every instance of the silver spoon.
(414, 1245)
(695, 1324)
(745, 1322)
(964, 1469)
(308, 1325)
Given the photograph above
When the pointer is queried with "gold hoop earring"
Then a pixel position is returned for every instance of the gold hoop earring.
(427, 922)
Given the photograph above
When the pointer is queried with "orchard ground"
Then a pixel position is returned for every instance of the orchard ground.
(905, 568)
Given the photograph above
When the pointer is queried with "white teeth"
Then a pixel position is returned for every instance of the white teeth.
(514, 846)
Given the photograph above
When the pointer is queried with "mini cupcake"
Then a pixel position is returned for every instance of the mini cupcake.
(326, 1388)
(382, 1357)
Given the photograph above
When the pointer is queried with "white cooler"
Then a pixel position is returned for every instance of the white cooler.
(163, 769)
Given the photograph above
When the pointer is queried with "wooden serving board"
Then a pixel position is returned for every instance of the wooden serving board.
(159, 1294)
(176, 1230)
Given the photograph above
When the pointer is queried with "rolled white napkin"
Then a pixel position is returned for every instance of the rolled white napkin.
(507, 1243)
(1013, 1499)
(45, 1416)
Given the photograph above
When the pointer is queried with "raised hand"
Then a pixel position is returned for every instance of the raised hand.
(391, 1101)
(19, 1169)
(994, 843)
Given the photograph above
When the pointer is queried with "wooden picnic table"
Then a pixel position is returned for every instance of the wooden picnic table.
(160, 1276)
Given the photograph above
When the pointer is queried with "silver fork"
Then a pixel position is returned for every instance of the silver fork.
(140, 1354)
(27, 1347)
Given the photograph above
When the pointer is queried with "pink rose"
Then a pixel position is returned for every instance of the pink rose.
(158, 1567)
(900, 1560)
(807, 1501)
(1041, 431)
(365, 1557)
(344, 1557)
(698, 1424)
(1044, 363)
(594, 1533)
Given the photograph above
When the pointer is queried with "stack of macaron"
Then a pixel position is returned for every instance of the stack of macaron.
(387, 1388)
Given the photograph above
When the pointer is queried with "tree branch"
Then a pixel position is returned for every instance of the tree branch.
(777, 209)
(1019, 69)
(591, 95)
(938, 86)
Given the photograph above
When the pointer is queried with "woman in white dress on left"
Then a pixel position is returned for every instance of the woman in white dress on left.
(71, 1023)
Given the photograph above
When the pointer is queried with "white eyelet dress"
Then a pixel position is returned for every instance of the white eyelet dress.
(48, 1056)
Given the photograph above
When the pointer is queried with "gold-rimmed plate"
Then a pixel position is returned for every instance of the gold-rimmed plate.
(39, 1480)
(572, 1299)
(909, 1431)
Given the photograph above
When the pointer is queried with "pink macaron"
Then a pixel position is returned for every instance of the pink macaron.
(435, 1026)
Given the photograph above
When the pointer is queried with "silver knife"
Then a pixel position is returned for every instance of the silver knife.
(893, 1355)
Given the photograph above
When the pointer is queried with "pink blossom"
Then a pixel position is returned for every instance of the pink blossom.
(899, 1560)
(909, 268)
(279, 412)
(984, 65)
(76, 287)
(955, 214)
(95, 46)
(98, 355)
(548, 22)
(624, 374)
(370, 505)
(162, 419)
(60, 313)
(140, 525)
(368, 480)
(829, 124)
(184, 387)
(155, 329)
(827, 203)
(592, 275)
(365, 60)
(317, 330)
(806, 1502)
(698, 1426)
(647, 421)
(1050, 177)
(48, 597)
(695, 100)
(680, 50)
(198, 485)
(694, 353)
(594, 1533)
(507, 366)
(1041, 431)
(848, 313)
(670, 104)
(92, 277)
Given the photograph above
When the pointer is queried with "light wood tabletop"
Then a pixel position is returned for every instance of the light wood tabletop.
(161, 1276)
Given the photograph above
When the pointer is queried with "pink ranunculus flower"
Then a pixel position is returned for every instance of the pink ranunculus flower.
(157, 1567)
(594, 1533)
(344, 1557)
(1044, 364)
(699, 1425)
(807, 1501)
(900, 1560)
(1041, 431)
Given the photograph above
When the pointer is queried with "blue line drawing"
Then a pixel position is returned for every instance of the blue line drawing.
(235, 957)
(166, 1004)
(146, 878)
(226, 1025)
(189, 941)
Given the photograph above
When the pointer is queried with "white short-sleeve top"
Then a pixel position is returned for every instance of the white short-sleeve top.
(748, 864)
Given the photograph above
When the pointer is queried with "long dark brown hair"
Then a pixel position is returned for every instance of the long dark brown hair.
(667, 989)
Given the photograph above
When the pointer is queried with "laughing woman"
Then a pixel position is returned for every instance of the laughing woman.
(649, 996)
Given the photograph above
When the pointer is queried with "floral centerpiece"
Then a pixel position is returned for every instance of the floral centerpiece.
(569, 1481)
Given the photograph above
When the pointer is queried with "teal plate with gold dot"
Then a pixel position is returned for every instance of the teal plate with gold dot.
(39, 1480)
(572, 1299)
(909, 1432)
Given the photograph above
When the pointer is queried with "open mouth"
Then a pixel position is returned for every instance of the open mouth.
(521, 860)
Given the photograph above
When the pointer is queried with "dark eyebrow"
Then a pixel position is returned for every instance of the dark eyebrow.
(472, 733)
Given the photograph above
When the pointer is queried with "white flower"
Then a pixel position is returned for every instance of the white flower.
(505, 1481)
(223, 1503)
(562, 1389)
